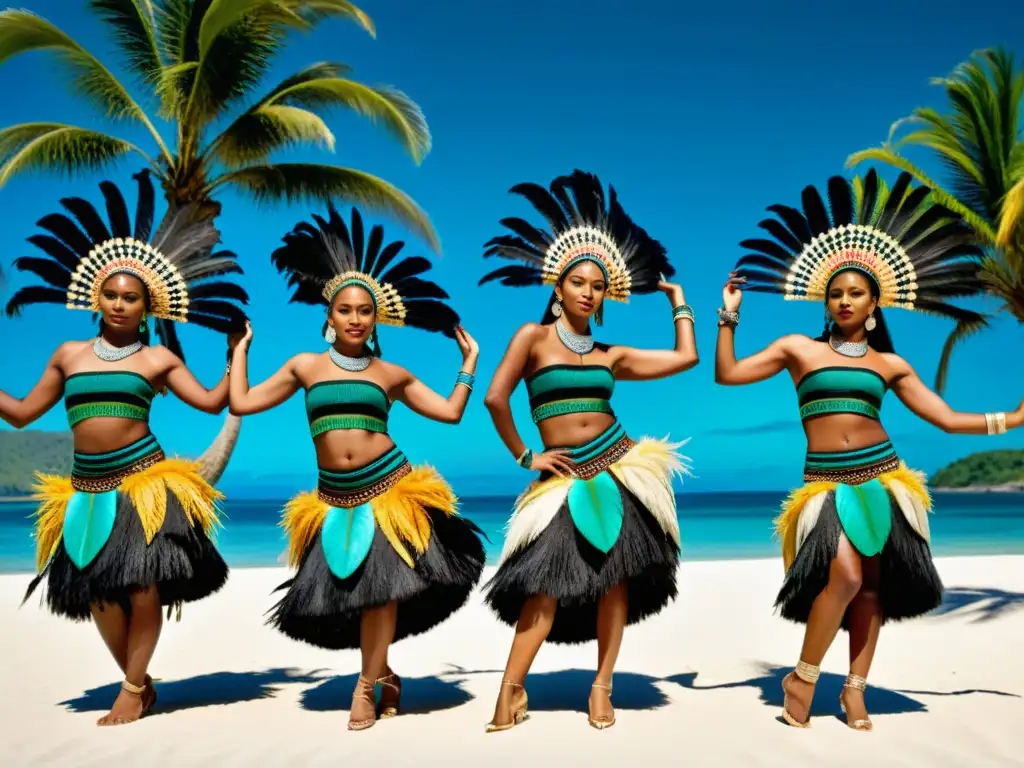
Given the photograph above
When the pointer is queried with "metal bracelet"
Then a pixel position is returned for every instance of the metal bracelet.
(996, 423)
(683, 310)
(725, 317)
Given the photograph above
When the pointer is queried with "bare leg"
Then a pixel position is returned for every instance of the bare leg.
(612, 611)
(535, 620)
(865, 625)
(376, 631)
(143, 633)
(111, 621)
(844, 581)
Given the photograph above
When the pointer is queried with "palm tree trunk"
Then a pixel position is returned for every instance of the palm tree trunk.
(215, 458)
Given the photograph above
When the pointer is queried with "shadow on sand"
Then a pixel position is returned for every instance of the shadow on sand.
(982, 604)
(200, 691)
(879, 701)
(420, 695)
(568, 690)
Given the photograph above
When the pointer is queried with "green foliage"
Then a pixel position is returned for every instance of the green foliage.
(979, 144)
(981, 469)
(201, 60)
(24, 453)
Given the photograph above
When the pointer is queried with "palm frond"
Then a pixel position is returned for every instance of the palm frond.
(260, 131)
(315, 88)
(56, 146)
(1010, 236)
(234, 42)
(982, 228)
(961, 331)
(324, 183)
(134, 28)
(23, 32)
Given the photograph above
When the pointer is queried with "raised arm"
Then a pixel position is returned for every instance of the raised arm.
(43, 396)
(243, 401)
(426, 402)
(757, 367)
(498, 402)
(923, 402)
(184, 384)
(631, 364)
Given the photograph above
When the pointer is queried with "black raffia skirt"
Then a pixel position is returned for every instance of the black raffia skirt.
(387, 532)
(576, 538)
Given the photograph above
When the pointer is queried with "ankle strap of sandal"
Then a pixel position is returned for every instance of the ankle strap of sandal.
(135, 690)
(513, 684)
(603, 686)
(809, 673)
(855, 681)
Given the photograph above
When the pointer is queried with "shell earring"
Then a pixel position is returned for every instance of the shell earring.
(556, 308)
(330, 335)
(870, 324)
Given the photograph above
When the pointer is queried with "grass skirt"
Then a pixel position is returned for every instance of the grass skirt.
(559, 542)
(815, 516)
(160, 522)
(418, 552)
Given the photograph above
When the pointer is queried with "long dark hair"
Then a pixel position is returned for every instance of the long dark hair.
(878, 339)
(144, 336)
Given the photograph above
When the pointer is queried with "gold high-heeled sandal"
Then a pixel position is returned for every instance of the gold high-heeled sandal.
(857, 683)
(364, 690)
(809, 674)
(519, 711)
(601, 723)
(388, 705)
(134, 690)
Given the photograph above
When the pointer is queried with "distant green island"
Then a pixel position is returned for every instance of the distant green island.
(988, 470)
(23, 453)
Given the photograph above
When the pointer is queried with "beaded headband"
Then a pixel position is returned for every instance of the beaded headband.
(387, 303)
(854, 246)
(168, 291)
(580, 244)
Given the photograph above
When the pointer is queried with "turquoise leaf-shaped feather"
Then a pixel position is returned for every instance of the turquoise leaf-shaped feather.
(865, 512)
(346, 537)
(595, 506)
(88, 521)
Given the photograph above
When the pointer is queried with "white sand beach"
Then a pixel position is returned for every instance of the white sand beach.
(697, 685)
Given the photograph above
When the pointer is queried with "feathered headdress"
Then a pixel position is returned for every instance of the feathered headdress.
(583, 227)
(920, 254)
(321, 260)
(174, 264)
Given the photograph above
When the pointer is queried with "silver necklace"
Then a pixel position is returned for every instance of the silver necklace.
(347, 363)
(848, 348)
(112, 354)
(580, 344)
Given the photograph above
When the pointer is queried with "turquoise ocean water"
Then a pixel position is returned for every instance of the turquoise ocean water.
(714, 527)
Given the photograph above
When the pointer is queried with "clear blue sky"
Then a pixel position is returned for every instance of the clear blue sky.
(700, 118)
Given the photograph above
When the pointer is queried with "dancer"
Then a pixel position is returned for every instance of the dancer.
(593, 544)
(380, 550)
(130, 530)
(855, 540)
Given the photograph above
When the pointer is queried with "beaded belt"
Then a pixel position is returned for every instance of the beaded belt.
(595, 456)
(851, 467)
(102, 472)
(350, 488)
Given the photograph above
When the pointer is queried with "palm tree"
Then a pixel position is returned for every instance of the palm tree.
(980, 145)
(202, 62)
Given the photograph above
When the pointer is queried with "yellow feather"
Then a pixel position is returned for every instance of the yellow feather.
(914, 481)
(401, 511)
(53, 492)
(303, 518)
(786, 522)
(148, 491)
